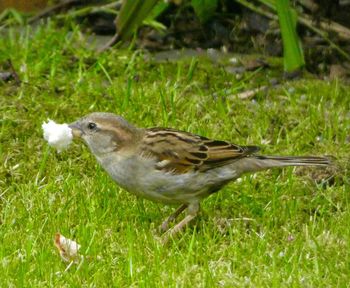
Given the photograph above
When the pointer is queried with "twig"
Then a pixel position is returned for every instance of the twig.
(249, 93)
(330, 26)
(115, 39)
(325, 37)
(309, 4)
(46, 12)
(110, 8)
(258, 9)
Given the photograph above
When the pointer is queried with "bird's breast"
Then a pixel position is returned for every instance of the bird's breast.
(142, 179)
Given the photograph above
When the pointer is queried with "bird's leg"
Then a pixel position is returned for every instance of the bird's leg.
(165, 225)
(193, 209)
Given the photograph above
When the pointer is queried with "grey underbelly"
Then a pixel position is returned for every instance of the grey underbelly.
(167, 187)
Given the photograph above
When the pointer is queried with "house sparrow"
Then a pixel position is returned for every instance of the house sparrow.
(171, 166)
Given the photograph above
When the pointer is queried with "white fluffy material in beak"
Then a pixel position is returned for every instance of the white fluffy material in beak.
(57, 135)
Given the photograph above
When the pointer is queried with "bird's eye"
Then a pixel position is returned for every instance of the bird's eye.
(92, 126)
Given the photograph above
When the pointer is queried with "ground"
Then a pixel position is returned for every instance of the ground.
(280, 228)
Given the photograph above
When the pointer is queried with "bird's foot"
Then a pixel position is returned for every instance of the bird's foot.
(193, 209)
(176, 229)
(165, 225)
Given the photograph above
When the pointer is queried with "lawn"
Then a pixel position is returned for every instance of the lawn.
(280, 228)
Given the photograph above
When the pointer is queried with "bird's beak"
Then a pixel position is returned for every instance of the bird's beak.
(76, 129)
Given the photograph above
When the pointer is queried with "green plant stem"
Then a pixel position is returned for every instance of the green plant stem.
(302, 20)
(292, 50)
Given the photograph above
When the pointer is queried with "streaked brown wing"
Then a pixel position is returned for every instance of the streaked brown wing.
(180, 152)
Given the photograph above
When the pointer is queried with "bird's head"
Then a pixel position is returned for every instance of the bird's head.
(105, 132)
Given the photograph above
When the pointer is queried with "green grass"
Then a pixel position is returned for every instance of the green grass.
(278, 229)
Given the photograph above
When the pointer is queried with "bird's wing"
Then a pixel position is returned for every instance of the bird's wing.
(180, 152)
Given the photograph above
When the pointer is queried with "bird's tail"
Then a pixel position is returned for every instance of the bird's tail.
(260, 162)
(295, 160)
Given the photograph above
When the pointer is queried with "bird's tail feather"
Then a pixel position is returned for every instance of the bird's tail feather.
(260, 162)
(296, 160)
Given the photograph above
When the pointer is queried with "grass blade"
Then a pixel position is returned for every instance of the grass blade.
(131, 16)
(293, 54)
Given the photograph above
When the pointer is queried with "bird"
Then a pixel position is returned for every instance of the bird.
(172, 166)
